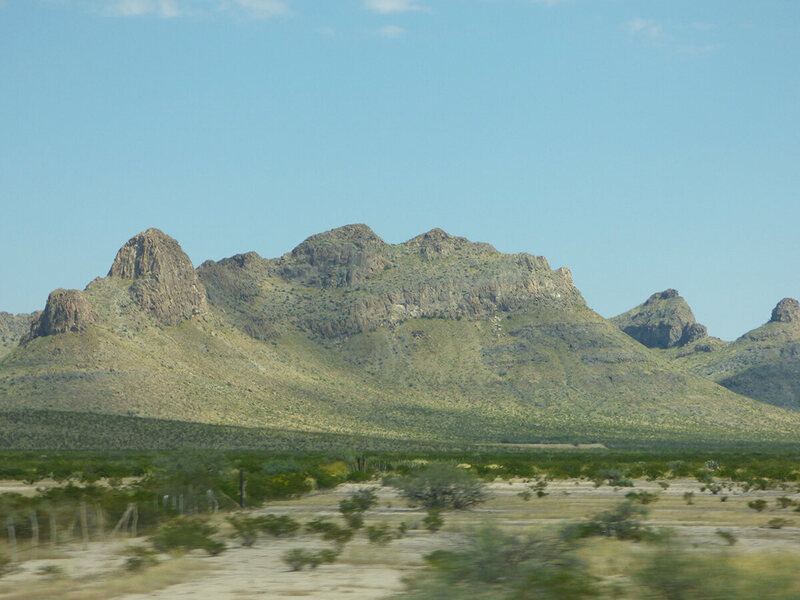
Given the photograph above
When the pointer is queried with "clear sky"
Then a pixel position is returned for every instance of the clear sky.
(644, 144)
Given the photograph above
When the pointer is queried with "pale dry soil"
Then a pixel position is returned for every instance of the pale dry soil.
(368, 571)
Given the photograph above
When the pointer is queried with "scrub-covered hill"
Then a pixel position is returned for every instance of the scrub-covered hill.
(436, 338)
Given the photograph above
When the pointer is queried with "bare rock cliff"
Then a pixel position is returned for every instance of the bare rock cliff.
(163, 280)
(66, 311)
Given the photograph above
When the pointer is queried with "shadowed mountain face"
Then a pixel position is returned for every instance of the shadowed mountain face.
(763, 363)
(663, 321)
(434, 338)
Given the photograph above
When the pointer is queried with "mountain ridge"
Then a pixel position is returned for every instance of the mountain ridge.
(434, 338)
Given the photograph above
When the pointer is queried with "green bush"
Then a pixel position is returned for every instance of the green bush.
(757, 505)
(727, 536)
(380, 534)
(499, 566)
(642, 497)
(140, 558)
(330, 531)
(441, 485)
(433, 521)
(185, 534)
(298, 558)
(621, 522)
(246, 528)
(278, 526)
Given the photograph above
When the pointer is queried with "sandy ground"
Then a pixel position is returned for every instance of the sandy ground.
(367, 571)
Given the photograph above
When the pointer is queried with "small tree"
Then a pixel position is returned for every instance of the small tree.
(441, 485)
(185, 534)
(757, 505)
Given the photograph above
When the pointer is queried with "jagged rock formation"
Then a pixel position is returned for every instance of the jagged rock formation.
(353, 281)
(663, 321)
(65, 311)
(164, 281)
(787, 311)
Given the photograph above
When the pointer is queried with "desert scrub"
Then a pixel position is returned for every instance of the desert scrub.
(278, 525)
(245, 528)
(297, 558)
(140, 558)
(186, 534)
(380, 534)
(433, 521)
(757, 505)
(622, 522)
(330, 531)
(500, 566)
(441, 485)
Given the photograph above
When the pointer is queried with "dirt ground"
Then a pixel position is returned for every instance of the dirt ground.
(368, 571)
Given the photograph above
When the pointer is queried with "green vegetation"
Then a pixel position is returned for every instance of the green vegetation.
(185, 534)
(502, 566)
(441, 485)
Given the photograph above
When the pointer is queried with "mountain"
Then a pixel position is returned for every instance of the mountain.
(13, 328)
(663, 321)
(436, 338)
(763, 363)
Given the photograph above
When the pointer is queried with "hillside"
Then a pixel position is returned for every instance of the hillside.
(13, 328)
(763, 363)
(436, 338)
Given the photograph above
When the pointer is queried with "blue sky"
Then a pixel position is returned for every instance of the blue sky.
(644, 144)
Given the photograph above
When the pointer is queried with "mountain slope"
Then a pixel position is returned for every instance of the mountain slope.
(436, 338)
(763, 364)
(13, 328)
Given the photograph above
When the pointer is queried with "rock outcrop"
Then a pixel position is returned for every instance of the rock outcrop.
(349, 280)
(663, 321)
(66, 311)
(787, 311)
(341, 257)
(163, 280)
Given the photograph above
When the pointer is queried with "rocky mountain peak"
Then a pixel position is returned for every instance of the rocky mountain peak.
(786, 311)
(164, 281)
(665, 295)
(341, 257)
(663, 321)
(66, 311)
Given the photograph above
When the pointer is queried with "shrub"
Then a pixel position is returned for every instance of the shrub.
(621, 522)
(727, 536)
(298, 558)
(278, 526)
(501, 566)
(433, 521)
(185, 534)
(784, 502)
(757, 505)
(688, 497)
(441, 485)
(358, 502)
(380, 534)
(245, 527)
(330, 531)
(778, 523)
(141, 558)
(642, 497)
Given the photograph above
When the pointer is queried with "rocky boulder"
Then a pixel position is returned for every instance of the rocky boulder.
(163, 280)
